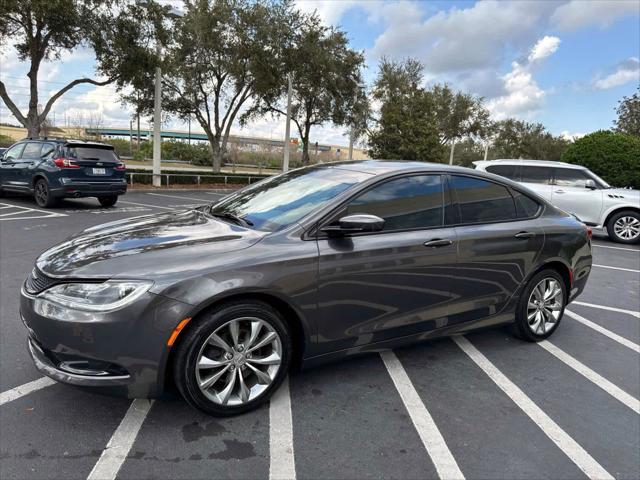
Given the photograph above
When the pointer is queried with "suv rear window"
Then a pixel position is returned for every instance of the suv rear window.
(97, 153)
(507, 171)
(531, 174)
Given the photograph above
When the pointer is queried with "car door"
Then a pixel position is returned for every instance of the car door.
(571, 194)
(536, 178)
(380, 285)
(8, 166)
(499, 241)
(24, 168)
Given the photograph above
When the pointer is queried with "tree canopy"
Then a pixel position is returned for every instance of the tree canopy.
(119, 32)
(518, 139)
(628, 112)
(613, 156)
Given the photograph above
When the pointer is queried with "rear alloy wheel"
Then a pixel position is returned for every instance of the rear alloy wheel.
(43, 195)
(109, 201)
(624, 227)
(541, 306)
(233, 359)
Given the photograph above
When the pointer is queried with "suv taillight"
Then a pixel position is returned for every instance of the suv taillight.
(63, 162)
(121, 166)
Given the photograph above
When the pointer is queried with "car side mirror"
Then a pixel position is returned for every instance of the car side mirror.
(591, 184)
(7, 160)
(358, 223)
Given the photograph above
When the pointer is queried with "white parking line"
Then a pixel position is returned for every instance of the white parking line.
(613, 336)
(551, 429)
(12, 213)
(427, 429)
(146, 205)
(282, 461)
(34, 209)
(616, 268)
(617, 248)
(611, 309)
(613, 390)
(27, 388)
(116, 451)
(208, 200)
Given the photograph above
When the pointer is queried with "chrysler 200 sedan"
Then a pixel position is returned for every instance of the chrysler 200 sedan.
(306, 267)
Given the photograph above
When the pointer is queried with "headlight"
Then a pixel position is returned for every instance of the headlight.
(97, 297)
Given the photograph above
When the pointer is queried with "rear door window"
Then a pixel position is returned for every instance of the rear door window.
(97, 154)
(404, 203)
(32, 151)
(530, 174)
(47, 149)
(482, 201)
(571, 177)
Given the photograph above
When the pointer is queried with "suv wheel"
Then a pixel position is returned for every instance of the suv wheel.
(107, 202)
(43, 195)
(541, 306)
(624, 227)
(233, 358)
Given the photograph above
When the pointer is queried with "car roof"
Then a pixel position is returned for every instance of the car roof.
(65, 141)
(520, 161)
(379, 167)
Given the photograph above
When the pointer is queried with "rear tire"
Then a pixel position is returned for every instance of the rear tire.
(223, 376)
(624, 227)
(541, 306)
(42, 194)
(108, 202)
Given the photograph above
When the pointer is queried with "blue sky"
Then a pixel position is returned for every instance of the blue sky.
(562, 63)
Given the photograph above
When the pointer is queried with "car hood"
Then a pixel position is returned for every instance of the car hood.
(146, 247)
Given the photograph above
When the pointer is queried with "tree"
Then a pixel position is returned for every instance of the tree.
(628, 111)
(406, 126)
(517, 139)
(43, 30)
(327, 81)
(612, 156)
(223, 56)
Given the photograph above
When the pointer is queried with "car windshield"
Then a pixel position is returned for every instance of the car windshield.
(277, 202)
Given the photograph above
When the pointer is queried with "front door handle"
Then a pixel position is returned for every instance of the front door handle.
(438, 242)
(558, 191)
(525, 235)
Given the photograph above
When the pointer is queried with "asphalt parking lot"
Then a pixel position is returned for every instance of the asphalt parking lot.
(482, 406)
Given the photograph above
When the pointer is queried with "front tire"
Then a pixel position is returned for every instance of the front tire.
(541, 306)
(42, 194)
(108, 202)
(624, 227)
(232, 358)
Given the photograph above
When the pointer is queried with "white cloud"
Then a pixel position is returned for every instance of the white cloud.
(571, 136)
(523, 95)
(543, 48)
(627, 71)
(580, 13)
(330, 11)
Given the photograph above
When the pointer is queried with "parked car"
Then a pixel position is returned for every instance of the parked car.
(310, 266)
(51, 169)
(576, 190)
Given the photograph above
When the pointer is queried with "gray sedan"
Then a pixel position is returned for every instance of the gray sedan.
(303, 268)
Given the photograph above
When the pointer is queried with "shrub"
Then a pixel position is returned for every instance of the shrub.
(6, 141)
(613, 156)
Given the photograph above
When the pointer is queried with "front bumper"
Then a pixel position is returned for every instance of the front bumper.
(123, 352)
(75, 188)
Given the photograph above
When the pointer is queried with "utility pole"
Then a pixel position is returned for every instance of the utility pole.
(486, 150)
(189, 122)
(287, 130)
(453, 146)
(351, 144)
(131, 138)
(157, 120)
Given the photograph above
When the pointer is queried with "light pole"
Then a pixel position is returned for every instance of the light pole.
(157, 119)
(287, 130)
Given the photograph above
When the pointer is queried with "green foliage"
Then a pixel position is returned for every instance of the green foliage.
(628, 111)
(612, 156)
(518, 139)
(122, 147)
(196, 153)
(6, 141)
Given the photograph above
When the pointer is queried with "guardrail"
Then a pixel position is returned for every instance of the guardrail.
(197, 178)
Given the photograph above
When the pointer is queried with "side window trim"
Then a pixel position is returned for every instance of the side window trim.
(454, 195)
(315, 232)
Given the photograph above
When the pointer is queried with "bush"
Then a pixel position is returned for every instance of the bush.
(6, 141)
(613, 156)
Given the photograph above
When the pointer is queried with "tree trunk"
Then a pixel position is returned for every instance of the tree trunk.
(33, 127)
(216, 152)
(305, 144)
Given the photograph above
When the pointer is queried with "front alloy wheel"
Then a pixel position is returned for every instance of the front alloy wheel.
(626, 228)
(232, 358)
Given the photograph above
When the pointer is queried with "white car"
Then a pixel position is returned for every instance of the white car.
(576, 190)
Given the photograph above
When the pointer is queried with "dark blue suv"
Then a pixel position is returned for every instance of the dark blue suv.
(51, 169)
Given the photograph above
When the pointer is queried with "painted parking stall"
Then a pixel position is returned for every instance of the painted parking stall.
(481, 406)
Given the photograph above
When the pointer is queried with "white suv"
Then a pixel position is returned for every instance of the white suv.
(576, 190)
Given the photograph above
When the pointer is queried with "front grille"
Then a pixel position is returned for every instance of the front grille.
(38, 282)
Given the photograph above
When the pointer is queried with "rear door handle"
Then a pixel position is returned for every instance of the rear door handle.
(525, 235)
(558, 191)
(438, 242)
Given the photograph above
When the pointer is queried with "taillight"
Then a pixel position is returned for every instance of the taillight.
(121, 166)
(63, 162)
(589, 233)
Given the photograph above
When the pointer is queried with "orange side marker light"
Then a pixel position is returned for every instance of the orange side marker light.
(177, 330)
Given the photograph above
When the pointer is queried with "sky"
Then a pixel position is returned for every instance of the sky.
(563, 63)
